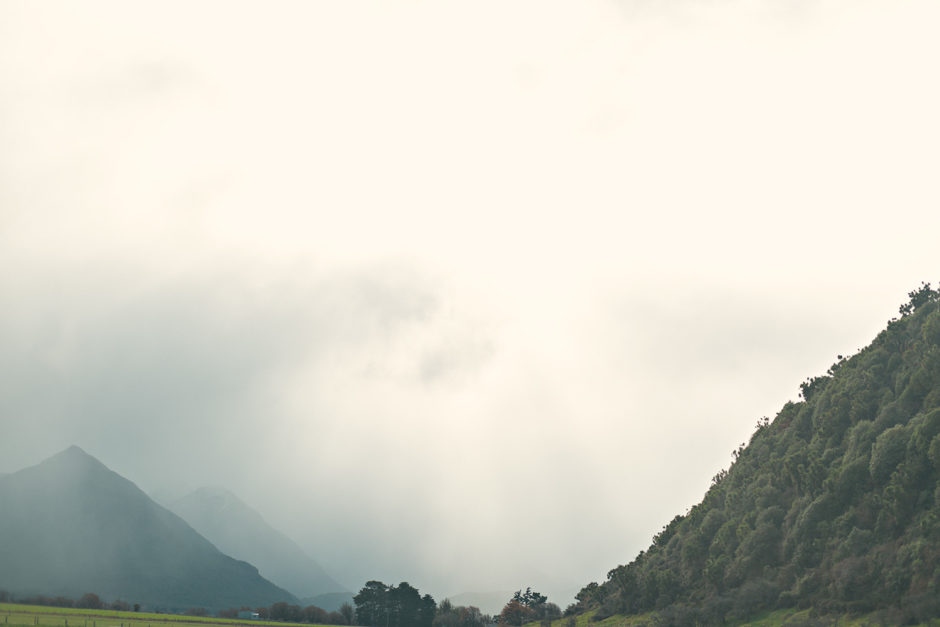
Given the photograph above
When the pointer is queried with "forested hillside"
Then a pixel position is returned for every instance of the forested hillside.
(834, 504)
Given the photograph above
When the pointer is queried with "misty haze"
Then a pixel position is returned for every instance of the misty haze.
(527, 306)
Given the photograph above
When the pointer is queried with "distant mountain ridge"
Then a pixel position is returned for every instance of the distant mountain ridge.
(834, 505)
(240, 531)
(331, 601)
(70, 525)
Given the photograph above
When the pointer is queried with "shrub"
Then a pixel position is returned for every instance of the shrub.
(753, 597)
(887, 453)
(90, 601)
(314, 614)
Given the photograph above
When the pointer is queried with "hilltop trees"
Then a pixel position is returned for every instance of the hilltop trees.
(921, 296)
(530, 598)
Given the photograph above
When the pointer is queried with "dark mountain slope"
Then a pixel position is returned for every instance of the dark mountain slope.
(70, 525)
(833, 505)
(241, 532)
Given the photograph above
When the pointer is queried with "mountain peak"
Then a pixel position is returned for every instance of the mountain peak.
(74, 451)
(73, 456)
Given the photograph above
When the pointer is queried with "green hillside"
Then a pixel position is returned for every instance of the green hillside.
(833, 505)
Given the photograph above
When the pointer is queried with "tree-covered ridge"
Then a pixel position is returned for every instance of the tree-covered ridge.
(834, 504)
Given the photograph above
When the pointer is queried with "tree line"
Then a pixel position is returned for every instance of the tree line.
(376, 605)
(288, 613)
(381, 605)
(88, 601)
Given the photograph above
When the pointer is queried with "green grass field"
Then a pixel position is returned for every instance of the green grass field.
(17, 615)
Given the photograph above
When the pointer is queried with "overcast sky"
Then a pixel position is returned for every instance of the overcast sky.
(476, 295)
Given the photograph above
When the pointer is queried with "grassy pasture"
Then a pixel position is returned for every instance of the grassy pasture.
(16, 615)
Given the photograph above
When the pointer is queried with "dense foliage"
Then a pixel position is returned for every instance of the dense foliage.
(288, 613)
(379, 605)
(833, 505)
(88, 601)
(450, 615)
(393, 606)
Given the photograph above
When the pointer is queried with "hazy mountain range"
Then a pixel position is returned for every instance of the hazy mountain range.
(69, 525)
(238, 530)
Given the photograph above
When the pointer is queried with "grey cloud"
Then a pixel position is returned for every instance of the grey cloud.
(121, 362)
(716, 333)
(142, 78)
(142, 81)
(455, 359)
(793, 12)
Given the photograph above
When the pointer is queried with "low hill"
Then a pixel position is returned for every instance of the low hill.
(833, 505)
(240, 531)
(331, 601)
(69, 525)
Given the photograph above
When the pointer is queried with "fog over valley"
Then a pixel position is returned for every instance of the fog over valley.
(476, 296)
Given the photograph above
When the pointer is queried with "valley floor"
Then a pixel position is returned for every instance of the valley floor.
(15, 615)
